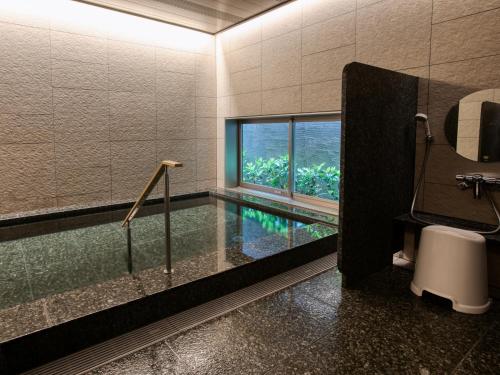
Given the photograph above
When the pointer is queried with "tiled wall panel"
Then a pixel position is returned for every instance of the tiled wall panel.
(282, 100)
(281, 61)
(394, 34)
(445, 10)
(466, 37)
(87, 111)
(336, 32)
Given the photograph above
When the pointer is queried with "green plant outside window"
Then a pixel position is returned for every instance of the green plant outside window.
(318, 180)
(315, 146)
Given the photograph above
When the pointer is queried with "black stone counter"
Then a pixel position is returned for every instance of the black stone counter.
(401, 221)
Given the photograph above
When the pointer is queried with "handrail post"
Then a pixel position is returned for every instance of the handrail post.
(166, 203)
(129, 248)
(161, 170)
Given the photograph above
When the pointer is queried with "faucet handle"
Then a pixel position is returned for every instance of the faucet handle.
(473, 181)
(491, 180)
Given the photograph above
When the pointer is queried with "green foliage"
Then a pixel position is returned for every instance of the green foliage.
(269, 172)
(309, 180)
(331, 178)
(318, 180)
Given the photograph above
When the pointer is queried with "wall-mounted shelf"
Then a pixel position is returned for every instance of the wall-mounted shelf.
(400, 223)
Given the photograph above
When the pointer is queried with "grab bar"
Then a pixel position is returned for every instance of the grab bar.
(160, 171)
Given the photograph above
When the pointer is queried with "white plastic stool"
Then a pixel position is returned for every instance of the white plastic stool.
(451, 263)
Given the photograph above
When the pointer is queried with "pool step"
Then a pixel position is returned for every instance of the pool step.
(108, 351)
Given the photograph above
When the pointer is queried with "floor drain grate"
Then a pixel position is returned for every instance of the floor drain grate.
(111, 350)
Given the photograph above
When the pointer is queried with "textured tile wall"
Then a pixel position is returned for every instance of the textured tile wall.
(298, 53)
(87, 111)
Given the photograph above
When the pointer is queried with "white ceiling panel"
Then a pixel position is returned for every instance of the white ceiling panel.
(210, 16)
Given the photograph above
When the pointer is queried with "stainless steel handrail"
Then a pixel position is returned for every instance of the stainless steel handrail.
(160, 171)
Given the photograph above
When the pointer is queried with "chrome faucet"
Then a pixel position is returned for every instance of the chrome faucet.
(477, 182)
(481, 184)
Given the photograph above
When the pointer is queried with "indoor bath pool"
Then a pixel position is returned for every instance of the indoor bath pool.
(60, 266)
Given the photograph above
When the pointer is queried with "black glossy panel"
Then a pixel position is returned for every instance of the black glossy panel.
(377, 164)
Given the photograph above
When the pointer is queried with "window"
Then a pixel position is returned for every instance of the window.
(296, 156)
(265, 154)
(317, 158)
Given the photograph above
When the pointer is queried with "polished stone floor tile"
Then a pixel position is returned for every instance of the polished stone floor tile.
(354, 349)
(293, 312)
(22, 319)
(140, 363)
(228, 345)
(327, 287)
(166, 362)
(484, 358)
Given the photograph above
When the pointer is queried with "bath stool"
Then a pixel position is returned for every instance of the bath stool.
(451, 263)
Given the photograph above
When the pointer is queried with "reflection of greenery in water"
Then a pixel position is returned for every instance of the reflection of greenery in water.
(319, 180)
(271, 223)
(319, 231)
(279, 225)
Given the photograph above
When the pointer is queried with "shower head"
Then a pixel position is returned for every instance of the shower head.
(423, 118)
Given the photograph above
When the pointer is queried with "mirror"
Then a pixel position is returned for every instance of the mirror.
(473, 126)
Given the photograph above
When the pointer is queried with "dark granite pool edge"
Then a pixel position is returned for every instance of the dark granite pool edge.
(72, 212)
(271, 210)
(30, 351)
(42, 215)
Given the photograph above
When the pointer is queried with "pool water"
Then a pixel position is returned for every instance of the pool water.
(209, 235)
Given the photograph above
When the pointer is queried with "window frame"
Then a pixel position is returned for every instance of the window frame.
(292, 120)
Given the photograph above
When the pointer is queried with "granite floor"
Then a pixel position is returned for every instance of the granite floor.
(317, 327)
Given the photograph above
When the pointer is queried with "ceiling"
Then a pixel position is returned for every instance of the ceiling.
(209, 16)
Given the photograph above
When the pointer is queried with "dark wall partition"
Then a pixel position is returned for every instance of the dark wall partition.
(377, 164)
